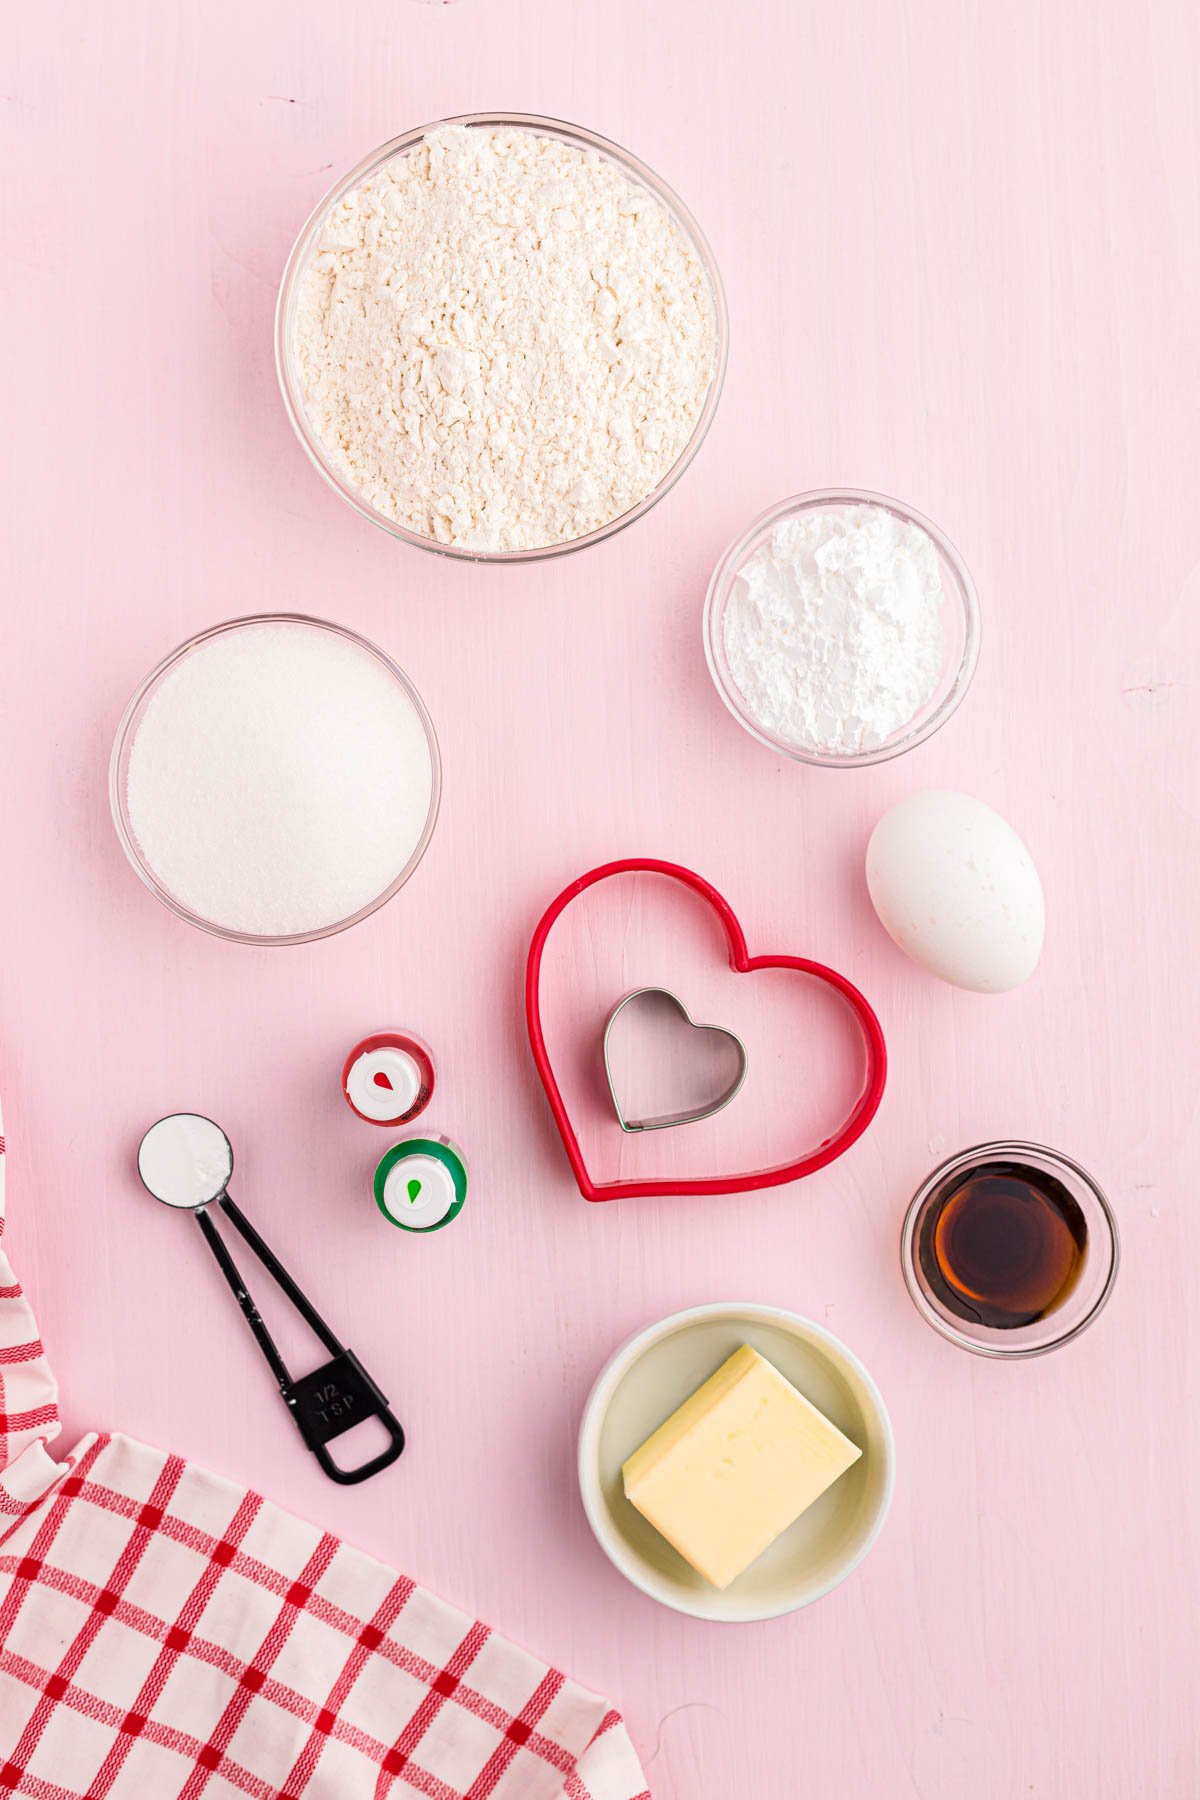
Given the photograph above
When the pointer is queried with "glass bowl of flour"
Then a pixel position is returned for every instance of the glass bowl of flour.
(275, 779)
(501, 337)
(842, 628)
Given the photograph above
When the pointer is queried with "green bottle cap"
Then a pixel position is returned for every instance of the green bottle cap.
(421, 1183)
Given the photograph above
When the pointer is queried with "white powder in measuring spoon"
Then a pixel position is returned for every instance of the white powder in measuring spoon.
(503, 340)
(279, 780)
(833, 630)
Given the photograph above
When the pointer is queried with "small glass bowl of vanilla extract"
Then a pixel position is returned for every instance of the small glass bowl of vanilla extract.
(1009, 1249)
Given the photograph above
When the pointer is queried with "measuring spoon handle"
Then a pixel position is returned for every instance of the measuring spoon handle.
(331, 1399)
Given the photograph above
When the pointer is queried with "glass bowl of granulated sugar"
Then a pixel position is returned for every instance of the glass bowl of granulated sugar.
(841, 628)
(275, 779)
(501, 338)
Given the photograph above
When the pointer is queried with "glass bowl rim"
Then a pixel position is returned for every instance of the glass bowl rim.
(731, 561)
(1009, 1148)
(544, 125)
(123, 742)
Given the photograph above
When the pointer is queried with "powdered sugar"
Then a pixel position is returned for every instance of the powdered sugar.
(503, 340)
(280, 779)
(833, 630)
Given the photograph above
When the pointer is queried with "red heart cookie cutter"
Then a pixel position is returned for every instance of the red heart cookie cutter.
(742, 963)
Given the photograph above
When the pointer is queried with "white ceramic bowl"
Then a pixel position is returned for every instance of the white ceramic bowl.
(653, 1374)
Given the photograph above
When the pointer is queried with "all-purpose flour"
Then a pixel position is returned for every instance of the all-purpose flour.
(833, 629)
(280, 779)
(503, 341)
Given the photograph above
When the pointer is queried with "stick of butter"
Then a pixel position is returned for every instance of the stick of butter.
(735, 1466)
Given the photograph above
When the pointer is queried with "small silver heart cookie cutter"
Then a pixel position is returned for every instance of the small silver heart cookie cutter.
(654, 995)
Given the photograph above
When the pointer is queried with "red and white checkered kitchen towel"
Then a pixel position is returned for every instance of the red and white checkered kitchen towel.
(164, 1633)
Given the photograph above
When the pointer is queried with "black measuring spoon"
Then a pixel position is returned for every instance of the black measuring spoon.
(186, 1161)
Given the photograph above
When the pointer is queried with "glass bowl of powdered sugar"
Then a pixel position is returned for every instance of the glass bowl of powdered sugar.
(275, 779)
(842, 628)
(501, 337)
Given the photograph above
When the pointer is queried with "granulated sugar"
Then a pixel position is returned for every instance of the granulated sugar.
(503, 340)
(833, 630)
(280, 779)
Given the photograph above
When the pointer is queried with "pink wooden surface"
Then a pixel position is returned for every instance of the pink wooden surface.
(962, 251)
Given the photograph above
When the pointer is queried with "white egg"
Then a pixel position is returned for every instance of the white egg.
(957, 890)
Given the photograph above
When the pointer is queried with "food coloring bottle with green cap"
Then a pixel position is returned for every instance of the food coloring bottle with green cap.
(421, 1183)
